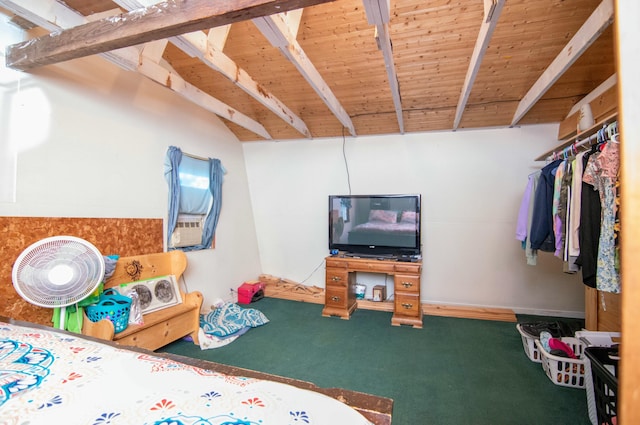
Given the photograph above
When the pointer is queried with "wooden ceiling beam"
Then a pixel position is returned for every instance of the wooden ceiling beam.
(293, 19)
(54, 17)
(384, 43)
(493, 9)
(222, 63)
(217, 36)
(153, 50)
(36, 11)
(275, 29)
(163, 74)
(589, 32)
(379, 13)
(164, 20)
(489, 9)
(209, 50)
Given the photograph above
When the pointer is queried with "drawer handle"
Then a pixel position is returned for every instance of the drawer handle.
(407, 305)
(407, 284)
(335, 298)
(336, 278)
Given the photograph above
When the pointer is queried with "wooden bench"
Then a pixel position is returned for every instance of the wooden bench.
(162, 326)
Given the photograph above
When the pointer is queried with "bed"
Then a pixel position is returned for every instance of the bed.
(385, 228)
(52, 376)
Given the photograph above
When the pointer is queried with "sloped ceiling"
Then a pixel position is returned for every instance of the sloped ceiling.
(433, 44)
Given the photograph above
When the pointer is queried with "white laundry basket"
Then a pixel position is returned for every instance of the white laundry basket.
(565, 371)
(529, 343)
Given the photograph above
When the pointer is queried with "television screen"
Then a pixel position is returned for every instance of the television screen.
(375, 225)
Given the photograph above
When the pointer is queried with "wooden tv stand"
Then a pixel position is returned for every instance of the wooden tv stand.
(340, 293)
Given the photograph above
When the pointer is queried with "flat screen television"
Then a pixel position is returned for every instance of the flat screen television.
(375, 225)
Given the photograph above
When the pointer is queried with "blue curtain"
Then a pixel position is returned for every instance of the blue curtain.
(171, 174)
(216, 173)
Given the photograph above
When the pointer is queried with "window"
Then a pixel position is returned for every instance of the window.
(193, 175)
(195, 192)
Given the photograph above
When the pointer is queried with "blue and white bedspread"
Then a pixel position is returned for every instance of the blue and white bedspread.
(48, 377)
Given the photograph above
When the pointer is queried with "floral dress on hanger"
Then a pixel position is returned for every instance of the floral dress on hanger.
(602, 174)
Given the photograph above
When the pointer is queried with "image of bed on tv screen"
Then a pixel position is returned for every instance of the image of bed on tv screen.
(385, 221)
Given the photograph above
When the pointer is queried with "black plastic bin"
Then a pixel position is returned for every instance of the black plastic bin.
(605, 383)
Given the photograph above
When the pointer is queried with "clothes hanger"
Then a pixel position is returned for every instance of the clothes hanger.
(601, 138)
(614, 138)
(612, 132)
(594, 146)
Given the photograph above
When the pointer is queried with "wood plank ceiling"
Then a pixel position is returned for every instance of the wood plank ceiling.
(260, 93)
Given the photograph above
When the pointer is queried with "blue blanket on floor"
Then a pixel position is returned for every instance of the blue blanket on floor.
(231, 318)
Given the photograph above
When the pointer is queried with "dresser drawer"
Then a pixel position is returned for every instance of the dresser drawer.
(374, 266)
(336, 297)
(406, 283)
(408, 267)
(407, 305)
(337, 277)
(333, 262)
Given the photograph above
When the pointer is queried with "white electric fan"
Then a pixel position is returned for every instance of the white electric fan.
(57, 272)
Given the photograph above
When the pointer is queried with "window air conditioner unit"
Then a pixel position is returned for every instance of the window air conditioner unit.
(188, 231)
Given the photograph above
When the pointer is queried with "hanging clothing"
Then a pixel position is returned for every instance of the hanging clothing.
(525, 214)
(616, 225)
(573, 239)
(542, 236)
(522, 227)
(531, 254)
(564, 213)
(603, 175)
(573, 205)
(557, 209)
(589, 231)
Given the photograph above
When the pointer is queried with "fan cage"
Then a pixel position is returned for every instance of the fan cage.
(81, 262)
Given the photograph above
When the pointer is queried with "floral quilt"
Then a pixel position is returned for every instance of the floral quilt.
(53, 377)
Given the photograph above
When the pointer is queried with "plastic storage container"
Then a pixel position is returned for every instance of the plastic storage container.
(598, 338)
(602, 404)
(564, 371)
(594, 339)
(111, 306)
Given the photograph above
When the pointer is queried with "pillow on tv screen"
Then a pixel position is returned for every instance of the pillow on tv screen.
(408, 216)
(383, 215)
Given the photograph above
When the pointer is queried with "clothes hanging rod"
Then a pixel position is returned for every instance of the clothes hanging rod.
(570, 149)
(576, 138)
(585, 141)
(195, 156)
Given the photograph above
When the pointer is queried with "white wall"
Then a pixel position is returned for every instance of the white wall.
(88, 140)
(471, 184)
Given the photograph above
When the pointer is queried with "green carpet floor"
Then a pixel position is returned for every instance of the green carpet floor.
(453, 371)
